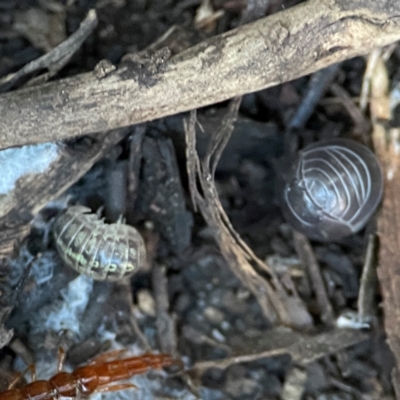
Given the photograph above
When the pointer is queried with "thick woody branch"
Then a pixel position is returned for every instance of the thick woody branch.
(270, 51)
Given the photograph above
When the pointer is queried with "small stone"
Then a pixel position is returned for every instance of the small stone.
(214, 315)
(146, 302)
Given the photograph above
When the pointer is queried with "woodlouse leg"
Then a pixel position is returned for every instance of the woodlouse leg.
(99, 212)
(19, 375)
(32, 369)
(17, 378)
(115, 388)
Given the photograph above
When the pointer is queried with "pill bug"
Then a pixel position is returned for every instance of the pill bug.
(96, 249)
(333, 189)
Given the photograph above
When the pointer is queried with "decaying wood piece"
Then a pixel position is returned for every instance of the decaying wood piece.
(33, 191)
(389, 254)
(386, 143)
(281, 47)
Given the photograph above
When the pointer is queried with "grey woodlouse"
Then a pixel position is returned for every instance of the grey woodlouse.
(96, 249)
(333, 189)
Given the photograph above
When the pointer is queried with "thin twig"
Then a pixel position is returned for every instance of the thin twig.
(366, 296)
(56, 59)
(308, 259)
(135, 159)
(361, 124)
(269, 292)
(317, 86)
(304, 349)
(165, 323)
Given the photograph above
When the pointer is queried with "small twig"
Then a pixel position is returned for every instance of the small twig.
(141, 336)
(317, 86)
(134, 165)
(366, 84)
(308, 259)
(218, 142)
(269, 292)
(366, 296)
(124, 297)
(55, 59)
(361, 124)
(165, 323)
(225, 363)
(303, 349)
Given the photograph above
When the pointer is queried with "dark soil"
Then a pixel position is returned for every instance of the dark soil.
(211, 314)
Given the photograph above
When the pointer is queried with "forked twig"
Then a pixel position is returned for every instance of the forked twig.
(269, 293)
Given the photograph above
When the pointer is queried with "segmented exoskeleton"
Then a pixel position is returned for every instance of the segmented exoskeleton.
(96, 249)
(99, 376)
(333, 189)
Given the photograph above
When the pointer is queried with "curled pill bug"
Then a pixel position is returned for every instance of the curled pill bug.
(333, 189)
(96, 249)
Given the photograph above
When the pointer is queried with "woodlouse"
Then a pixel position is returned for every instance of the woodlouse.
(96, 249)
(334, 188)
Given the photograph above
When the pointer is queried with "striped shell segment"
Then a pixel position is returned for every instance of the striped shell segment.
(333, 190)
(96, 249)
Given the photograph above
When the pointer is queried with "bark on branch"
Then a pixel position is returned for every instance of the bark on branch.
(270, 51)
